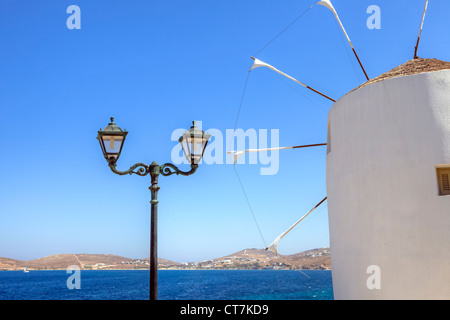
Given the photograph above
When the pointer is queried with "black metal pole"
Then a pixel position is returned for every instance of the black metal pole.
(154, 173)
(141, 169)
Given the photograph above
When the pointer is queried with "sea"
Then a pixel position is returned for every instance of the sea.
(172, 285)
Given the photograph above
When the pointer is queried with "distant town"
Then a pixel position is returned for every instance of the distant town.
(251, 259)
(254, 259)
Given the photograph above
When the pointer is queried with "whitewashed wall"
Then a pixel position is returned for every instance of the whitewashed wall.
(384, 209)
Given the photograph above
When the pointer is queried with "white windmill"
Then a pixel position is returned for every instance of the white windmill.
(388, 182)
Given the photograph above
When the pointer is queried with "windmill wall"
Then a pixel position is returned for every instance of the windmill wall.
(386, 142)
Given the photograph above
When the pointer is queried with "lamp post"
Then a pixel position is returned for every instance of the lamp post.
(193, 142)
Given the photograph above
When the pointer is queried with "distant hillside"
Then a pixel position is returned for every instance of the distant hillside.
(244, 259)
(63, 261)
(8, 264)
(318, 259)
(254, 253)
(83, 261)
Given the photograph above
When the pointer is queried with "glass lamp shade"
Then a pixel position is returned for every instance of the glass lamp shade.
(111, 141)
(194, 143)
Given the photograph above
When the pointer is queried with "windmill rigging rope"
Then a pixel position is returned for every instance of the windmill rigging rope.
(250, 206)
(285, 29)
(234, 165)
(240, 107)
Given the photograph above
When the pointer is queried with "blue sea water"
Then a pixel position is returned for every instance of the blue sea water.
(172, 285)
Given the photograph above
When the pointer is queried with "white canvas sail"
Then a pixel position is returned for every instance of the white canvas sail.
(237, 154)
(421, 27)
(274, 245)
(329, 5)
(258, 63)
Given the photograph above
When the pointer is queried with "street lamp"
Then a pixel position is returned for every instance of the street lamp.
(193, 142)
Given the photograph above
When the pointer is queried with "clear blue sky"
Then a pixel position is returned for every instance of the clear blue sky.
(156, 66)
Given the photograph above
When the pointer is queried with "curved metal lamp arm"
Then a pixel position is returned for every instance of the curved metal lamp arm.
(168, 169)
(142, 171)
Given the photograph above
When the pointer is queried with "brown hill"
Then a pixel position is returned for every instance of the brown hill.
(8, 264)
(59, 261)
(244, 259)
(262, 259)
(63, 261)
(165, 262)
(254, 253)
(311, 259)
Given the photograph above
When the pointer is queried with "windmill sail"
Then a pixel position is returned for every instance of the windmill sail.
(421, 27)
(237, 154)
(274, 245)
(258, 63)
(329, 5)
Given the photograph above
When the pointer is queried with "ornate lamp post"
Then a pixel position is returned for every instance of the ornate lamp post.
(193, 142)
